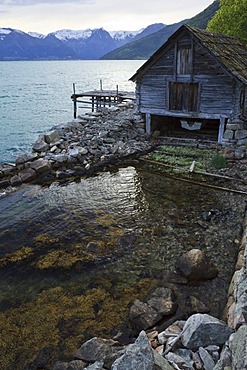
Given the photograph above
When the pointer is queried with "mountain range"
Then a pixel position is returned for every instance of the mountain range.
(92, 44)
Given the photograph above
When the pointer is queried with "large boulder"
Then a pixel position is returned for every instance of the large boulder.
(195, 266)
(202, 330)
(137, 356)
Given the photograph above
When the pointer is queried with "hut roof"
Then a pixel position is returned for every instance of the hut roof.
(230, 52)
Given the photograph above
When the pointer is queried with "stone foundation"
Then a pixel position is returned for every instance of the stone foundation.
(235, 132)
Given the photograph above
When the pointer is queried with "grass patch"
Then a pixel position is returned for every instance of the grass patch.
(182, 157)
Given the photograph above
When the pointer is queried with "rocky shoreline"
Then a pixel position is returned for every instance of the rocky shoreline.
(202, 342)
(95, 141)
(80, 147)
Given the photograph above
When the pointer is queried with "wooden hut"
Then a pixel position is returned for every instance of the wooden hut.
(195, 84)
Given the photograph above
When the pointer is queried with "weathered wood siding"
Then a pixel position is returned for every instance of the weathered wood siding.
(153, 86)
(217, 93)
(218, 88)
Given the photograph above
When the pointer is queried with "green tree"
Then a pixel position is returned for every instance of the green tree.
(231, 19)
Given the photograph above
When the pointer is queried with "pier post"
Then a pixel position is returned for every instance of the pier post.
(75, 102)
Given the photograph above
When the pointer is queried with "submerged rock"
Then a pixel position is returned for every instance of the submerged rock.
(195, 266)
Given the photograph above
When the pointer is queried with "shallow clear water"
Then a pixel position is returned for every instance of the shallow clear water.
(35, 96)
(75, 255)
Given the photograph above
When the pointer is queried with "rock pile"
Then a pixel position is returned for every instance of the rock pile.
(90, 142)
(201, 342)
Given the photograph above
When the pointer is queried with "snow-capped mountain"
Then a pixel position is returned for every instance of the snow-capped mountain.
(65, 35)
(36, 35)
(65, 44)
(4, 32)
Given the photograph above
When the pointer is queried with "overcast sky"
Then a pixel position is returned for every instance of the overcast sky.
(46, 16)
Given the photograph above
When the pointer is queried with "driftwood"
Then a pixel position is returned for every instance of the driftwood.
(191, 169)
(216, 187)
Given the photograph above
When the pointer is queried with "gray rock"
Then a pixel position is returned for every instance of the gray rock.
(228, 134)
(202, 330)
(4, 184)
(60, 158)
(138, 356)
(73, 365)
(27, 175)
(8, 170)
(143, 315)
(160, 362)
(207, 360)
(197, 361)
(238, 346)
(214, 351)
(15, 180)
(240, 134)
(180, 362)
(27, 157)
(40, 165)
(195, 266)
(98, 365)
(225, 360)
(52, 137)
(41, 145)
(99, 349)
(186, 354)
(196, 306)
(162, 300)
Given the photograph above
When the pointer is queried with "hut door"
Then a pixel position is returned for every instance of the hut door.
(183, 96)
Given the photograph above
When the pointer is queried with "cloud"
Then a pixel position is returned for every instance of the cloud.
(46, 16)
(37, 2)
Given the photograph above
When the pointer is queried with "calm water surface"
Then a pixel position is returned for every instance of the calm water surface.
(35, 96)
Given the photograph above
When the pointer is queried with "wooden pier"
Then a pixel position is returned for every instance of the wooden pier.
(99, 99)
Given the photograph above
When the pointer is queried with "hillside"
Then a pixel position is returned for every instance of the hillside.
(145, 47)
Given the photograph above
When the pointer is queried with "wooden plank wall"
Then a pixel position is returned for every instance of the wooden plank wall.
(217, 88)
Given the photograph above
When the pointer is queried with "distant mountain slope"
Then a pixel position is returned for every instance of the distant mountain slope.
(87, 44)
(18, 45)
(93, 44)
(145, 47)
(65, 44)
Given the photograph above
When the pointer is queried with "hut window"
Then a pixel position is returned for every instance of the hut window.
(184, 61)
(183, 96)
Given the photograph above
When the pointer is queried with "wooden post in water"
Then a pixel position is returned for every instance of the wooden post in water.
(74, 99)
(101, 88)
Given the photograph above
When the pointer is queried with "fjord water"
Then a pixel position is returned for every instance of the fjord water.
(35, 96)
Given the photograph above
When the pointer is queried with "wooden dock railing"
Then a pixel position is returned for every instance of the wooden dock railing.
(98, 99)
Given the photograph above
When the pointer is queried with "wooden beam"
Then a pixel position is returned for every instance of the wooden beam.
(148, 123)
(221, 129)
